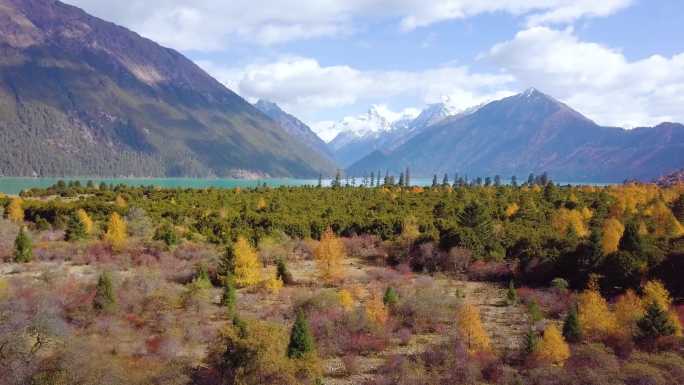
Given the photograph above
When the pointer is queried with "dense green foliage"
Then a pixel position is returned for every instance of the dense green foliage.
(547, 231)
(655, 323)
(105, 299)
(75, 230)
(391, 298)
(283, 273)
(301, 340)
(23, 248)
(572, 330)
(229, 298)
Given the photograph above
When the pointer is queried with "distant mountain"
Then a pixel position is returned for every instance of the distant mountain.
(294, 127)
(671, 179)
(378, 130)
(533, 132)
(82, 96)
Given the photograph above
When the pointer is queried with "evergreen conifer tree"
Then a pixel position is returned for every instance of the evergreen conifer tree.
(511, 294)
(228, 299)
(391, 298)
(531, 342)
(23, 248)
(283, 273)
(301, 340)
(434, 181)
(572, 331)
(631, 240)
(75, 230)
(104, 293)
(655, 323)
(226, 265)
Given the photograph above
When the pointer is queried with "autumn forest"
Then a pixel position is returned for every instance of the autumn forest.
(393, 284)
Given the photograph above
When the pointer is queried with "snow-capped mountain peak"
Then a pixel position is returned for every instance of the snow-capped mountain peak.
(377, 121)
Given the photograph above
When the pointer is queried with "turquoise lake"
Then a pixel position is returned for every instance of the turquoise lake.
(11, 185)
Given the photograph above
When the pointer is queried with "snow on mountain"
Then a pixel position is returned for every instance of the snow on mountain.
(383, 129)
(377, 121)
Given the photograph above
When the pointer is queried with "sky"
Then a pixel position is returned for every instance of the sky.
(619, 62)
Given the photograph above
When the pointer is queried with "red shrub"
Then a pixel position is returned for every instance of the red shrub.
(490, 271)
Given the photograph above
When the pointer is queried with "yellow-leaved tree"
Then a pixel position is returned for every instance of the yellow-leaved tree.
(375, 310)
(116, 234)
(471, 330)
(512, 209)
(119, 201)
(84, 218)
(612, 232)
(247, 267)
(628, 310)
(15, 212)
(564, 220)
(409, 229)
(273, 284)
(595, 317)
(329, 255)
(346, 300)
(552, 348)
(665, 223)
(655, 292)
(261, 204)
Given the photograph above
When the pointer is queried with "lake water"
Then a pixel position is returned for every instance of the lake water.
(10, 185)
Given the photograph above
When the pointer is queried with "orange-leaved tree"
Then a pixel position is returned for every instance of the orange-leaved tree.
(471, 330)
(330, 254)
(375, 310)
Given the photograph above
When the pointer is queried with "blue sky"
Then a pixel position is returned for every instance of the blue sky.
(620, 62)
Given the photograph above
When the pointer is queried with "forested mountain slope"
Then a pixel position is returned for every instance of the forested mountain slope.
(82, 96)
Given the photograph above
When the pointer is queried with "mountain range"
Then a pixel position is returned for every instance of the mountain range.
(533, 132)
(80, 96)
(380, 130)
(295, 128)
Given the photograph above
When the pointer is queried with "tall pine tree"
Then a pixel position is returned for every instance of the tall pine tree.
(301, 340)
(23, 248)
(75, 230)
(572, 331)
(104, 293)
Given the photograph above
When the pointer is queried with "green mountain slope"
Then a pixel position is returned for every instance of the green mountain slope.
(81, 96)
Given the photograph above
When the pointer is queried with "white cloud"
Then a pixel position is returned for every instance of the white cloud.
(537, 11)
(301, 84)
(597, 80)
(215, 24)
